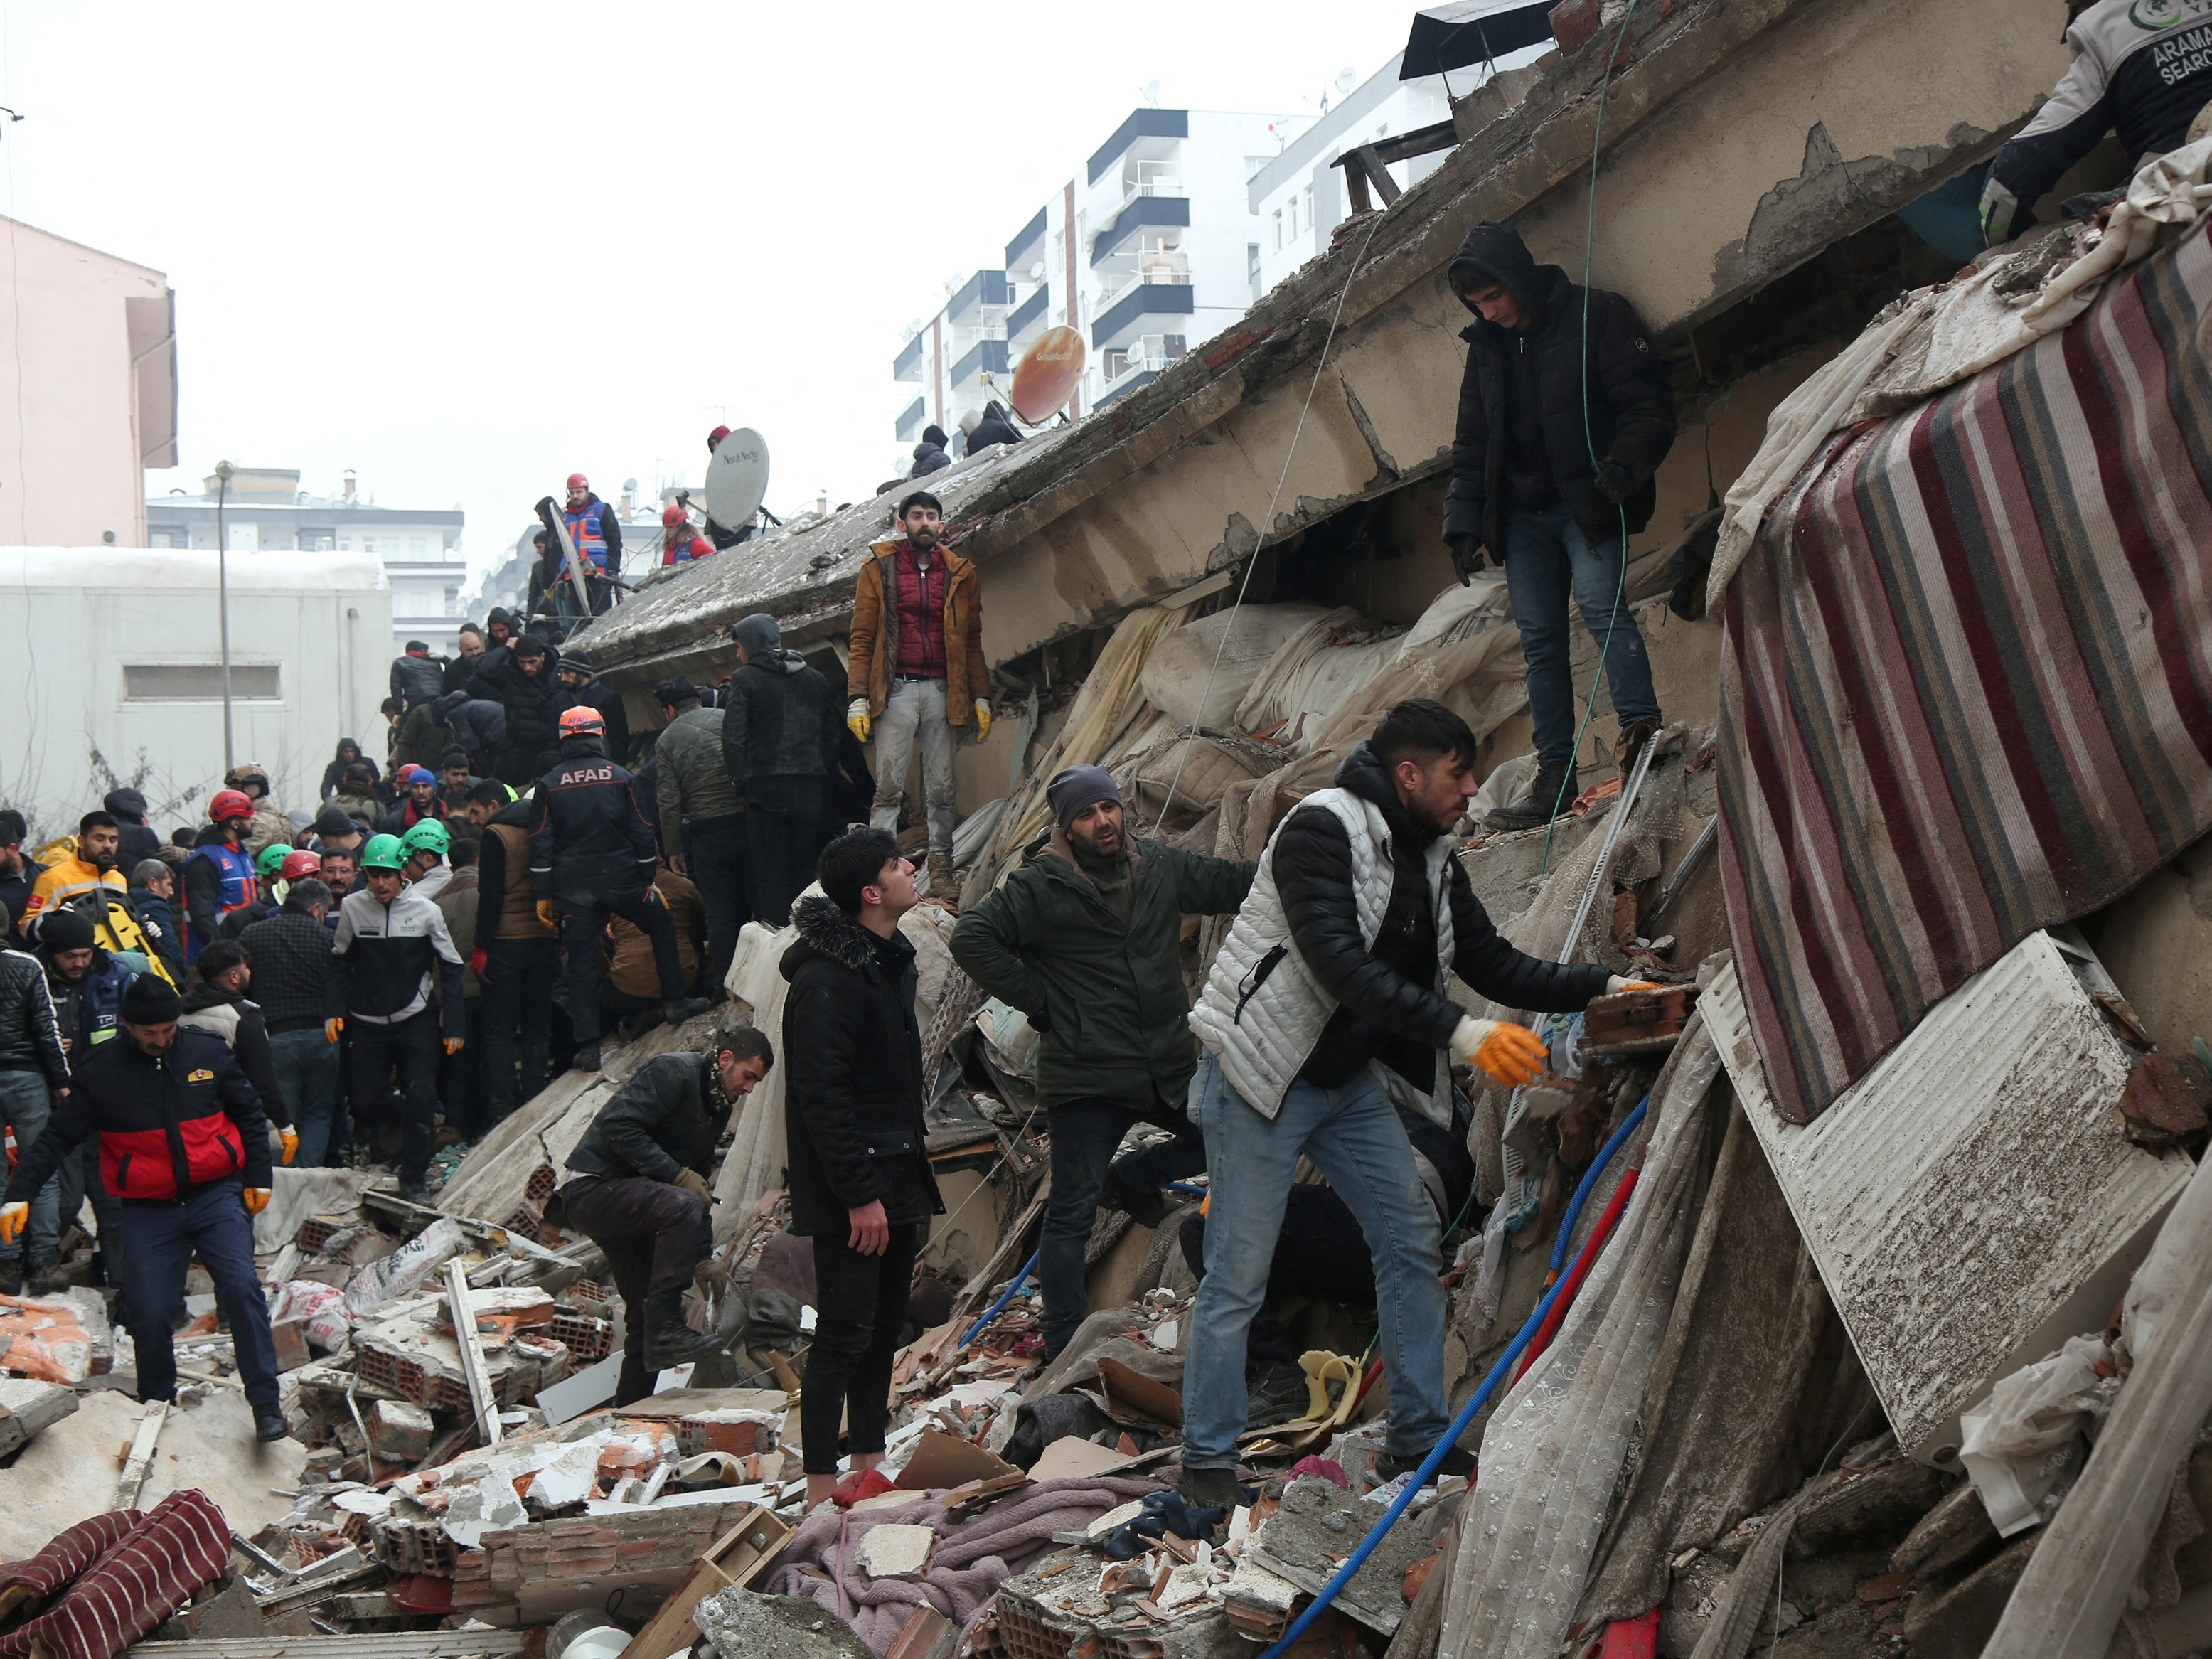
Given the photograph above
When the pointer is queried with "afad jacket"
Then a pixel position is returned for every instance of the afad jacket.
(853, 1087)
(873, 642)
(169, 1124)
(590, 834)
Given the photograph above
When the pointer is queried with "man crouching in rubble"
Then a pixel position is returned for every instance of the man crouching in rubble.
(1327, 1000)
(637, 1188)
(184, 1147)
(1084, 938)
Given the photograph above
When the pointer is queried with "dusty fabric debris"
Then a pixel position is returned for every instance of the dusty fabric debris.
(127, 1588)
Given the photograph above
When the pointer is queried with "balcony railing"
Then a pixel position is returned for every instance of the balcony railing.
(1151, 187)
(1157, 279)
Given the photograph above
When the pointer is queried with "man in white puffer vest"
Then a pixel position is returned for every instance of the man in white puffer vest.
(1326, 1003)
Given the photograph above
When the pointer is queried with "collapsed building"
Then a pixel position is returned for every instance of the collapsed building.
(1846, 1297)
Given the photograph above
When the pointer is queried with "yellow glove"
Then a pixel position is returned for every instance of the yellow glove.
(982, 719)
(692, 1181)
(1511, 1054)
(14, 1218)
(290, 1139)
(856, 718)
(257, 1199)
(330, 1029)
(453, 1046)
(545, 912)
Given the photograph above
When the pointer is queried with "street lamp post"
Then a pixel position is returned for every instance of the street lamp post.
(223, 470)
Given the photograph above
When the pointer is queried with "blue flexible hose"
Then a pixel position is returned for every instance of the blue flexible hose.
(1423, 1475)
(992, 1313)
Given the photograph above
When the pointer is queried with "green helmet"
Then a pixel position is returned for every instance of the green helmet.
(270, 860)
(427, 836)
(383, 853)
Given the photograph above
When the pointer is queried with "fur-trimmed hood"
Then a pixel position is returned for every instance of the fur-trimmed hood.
(825, 931)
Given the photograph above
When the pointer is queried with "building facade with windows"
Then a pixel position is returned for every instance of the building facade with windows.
(265, 511)
(1150, 247)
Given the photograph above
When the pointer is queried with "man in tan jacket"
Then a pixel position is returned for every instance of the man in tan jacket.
(917, 667)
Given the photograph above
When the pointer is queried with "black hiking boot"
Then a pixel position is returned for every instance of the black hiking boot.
(587, 1056)
(677, 1010)
(668, 1340)
(1552, 794)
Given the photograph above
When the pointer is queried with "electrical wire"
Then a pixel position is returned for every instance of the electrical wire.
(1267, 518)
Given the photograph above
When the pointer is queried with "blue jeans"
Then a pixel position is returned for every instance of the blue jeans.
(1546, 555)
(27, 1108)
(160, 1241)
(307, 1073)
(1353, 1134)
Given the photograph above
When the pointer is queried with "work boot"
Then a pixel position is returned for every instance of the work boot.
(676, 1010)
(1548, 798)
(587, 1056)
(11, 1277)
(943, 884)
(414, 1191)
(46, 1278)
(1212, 1489)
(269, 1424)
(1457, 1460)
(668, 1340)
(1143, 1205)
(1633, 736)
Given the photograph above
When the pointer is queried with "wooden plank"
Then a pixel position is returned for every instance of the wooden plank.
(733, 1559)
(481, 1393)
(140, 1463)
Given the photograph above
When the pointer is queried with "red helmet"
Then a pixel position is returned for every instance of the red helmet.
(230, 804)
(578, 481)
(715, 437)
(297, 865)
(672, 515)
(582, 721)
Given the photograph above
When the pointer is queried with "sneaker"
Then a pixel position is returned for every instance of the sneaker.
(1550, 796)
(1212, 1489)
(1633, 736)
(269, 1424)
(1457, 1460)
(586, 1058)
(677, 1010)
(1276, 1393)
(1146, 1206)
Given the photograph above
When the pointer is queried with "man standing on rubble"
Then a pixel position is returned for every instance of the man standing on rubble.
(916, 670)
(592, 857)
(637, 1188)
(1326, 1003)
(1564, 414)
(184, 1147)
(515, 954)
(702, 819)
(1084, 939)
(780, 733)
(861, 1187)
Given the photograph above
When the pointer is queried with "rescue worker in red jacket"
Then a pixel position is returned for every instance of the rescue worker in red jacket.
(219, 876)
(679, 542)
(184, 1150)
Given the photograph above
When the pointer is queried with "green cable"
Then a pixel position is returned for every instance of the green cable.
(1589, 440)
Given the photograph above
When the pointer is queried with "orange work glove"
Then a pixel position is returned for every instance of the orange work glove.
(1513, 1055)
(453, 1045)
(290, 1138)
(14, 1218)
(257, 1199)
(545, 913)
(330, 1029)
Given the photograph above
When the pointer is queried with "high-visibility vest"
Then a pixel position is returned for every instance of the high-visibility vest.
(584, 530)
(235, 866)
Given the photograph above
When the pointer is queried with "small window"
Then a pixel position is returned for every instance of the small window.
(1279, 230)
(199, 681)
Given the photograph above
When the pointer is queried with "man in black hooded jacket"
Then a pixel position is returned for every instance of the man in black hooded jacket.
(780, 724)
(1564, 414)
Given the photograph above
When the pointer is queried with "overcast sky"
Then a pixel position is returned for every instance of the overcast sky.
(466, 248)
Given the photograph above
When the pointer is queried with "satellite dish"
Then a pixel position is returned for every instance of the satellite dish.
(737, 478)
(1046, 376)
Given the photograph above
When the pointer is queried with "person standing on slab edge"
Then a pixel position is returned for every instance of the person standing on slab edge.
(1325, 1007)
(1084, 939)
(861, 1187)
(184, 1148)
(916, 671)
(1565, 415)
(780, 729)
(637, 1188)
(702, 820)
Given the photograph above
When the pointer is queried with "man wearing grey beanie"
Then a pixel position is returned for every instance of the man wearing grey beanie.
(1085, 939)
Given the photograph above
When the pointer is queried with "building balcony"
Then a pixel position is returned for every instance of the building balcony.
(1128, 382)
(1027, 244)
(1142, 213)
(1142, 124)
(1031, 310)
(986, 355)
(985, 288)
(907, 366)
(1142, 301)
(909, 421)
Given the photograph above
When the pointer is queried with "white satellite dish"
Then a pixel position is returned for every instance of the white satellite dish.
(737, 478)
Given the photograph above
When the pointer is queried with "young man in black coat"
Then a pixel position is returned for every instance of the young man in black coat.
(861, 1181)
(1564, 414)
(637, 1185)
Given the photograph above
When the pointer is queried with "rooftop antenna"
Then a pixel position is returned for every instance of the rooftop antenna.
(1151, 91)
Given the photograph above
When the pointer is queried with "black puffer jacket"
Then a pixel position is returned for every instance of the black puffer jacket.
(852, 1097)
(780, 720)
(1631, 408)
(418, 679)
(533, 705)
(994, 429)
(664, 1121)
(614, 714)
(1390, 1008)
(30, 1030)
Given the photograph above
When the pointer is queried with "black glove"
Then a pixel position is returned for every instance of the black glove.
(1467, 556)
(1615, 482)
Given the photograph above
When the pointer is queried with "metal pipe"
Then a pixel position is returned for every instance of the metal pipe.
(1686, 866)
(992, 1312)
(1622, 808)
(223, 470)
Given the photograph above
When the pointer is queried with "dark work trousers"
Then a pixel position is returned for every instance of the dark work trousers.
(652, 1235)
(721, 861)
(461, 1077)
(581, 938)
(160, 1241)
(782, 816)
(1085, 1133)
(411, 1048)
(860, 1325)
(1319, 1252)
(79, 1180)
(517, 1007)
